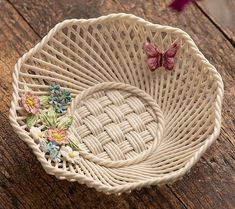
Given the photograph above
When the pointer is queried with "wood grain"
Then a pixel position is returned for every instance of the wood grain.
(23, 182)
(228, 31)
(16, 38)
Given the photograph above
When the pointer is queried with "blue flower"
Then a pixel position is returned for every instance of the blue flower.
(59, 98)
(47, 147)
(59, 108)
(65, 96)
(54, 88)
(54, 155)
(52, 146)
(52, 99)
(43, 146)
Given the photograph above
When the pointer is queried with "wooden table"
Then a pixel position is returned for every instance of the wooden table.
(23, 182)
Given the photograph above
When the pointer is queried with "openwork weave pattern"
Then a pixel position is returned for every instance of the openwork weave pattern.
(136, 128)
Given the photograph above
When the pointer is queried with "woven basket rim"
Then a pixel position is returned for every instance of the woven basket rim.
(62, 174)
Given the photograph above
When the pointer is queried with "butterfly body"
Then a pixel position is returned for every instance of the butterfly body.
(157, 59)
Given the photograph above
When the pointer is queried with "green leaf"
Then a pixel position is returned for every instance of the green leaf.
(44, 118)
(44, 101)
(73, 146)
(65, 122)
(31, 120)
(73, 142)
(52, 116)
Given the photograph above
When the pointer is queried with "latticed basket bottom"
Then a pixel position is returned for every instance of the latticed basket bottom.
(116, 124)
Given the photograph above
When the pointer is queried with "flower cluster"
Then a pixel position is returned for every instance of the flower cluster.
(59, 98)
(56, 143)
(55, 152)
(55, 139)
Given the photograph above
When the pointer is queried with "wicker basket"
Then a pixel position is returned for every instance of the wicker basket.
(135, 128)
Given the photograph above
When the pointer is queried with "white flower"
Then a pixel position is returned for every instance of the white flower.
(36, 133)
(70, 155)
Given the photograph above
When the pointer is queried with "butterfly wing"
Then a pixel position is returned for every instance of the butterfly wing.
(168, 63)
(150, 50)
(153, 63)
(171, 52)
(154, 57)
(168, 57)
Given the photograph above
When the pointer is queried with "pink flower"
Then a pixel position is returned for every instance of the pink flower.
(57, 135)
(30, 103)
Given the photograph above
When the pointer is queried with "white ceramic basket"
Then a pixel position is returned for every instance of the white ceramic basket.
(135, 127)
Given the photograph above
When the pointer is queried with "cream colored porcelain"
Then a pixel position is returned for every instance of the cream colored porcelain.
(136, 128)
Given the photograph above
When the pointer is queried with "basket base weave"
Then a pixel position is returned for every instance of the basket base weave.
(116, 124)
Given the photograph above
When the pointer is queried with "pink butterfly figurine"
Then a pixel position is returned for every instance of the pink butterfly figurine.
(157, 59)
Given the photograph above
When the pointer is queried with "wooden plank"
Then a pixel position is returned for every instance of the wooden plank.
(210, 184)
(43, 15)
(16, 38)
(228, 31)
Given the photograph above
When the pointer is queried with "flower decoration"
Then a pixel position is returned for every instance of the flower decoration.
(73, 141)
(30, 103)
(52, 135)
(49, 117)
(65, 97)
(58, 98)
(44, 102)
(43, 146)
(54, 88)
(65, 122)
(55, 155)
(52, 149)
(158, 59)
(57, 135)
(52, 100)
(59, 108)
(36, 133)
(69, 154)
